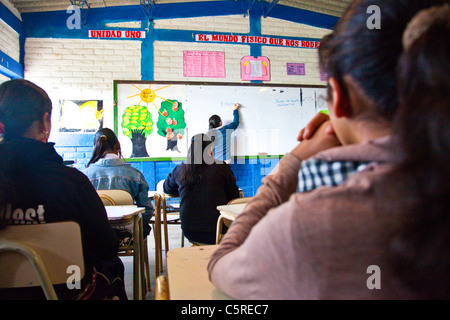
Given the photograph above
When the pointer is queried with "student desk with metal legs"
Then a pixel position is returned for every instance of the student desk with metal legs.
(187, 274)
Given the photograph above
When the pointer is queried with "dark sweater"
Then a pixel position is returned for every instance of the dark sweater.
(36, 173)
(198, 205)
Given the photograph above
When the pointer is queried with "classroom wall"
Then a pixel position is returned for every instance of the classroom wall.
(81, 69)
(11, 42)
(69, 65)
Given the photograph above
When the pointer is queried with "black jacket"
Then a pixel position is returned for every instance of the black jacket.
(198, 205)
(36, 175)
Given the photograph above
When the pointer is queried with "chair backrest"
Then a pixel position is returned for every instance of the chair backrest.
(240, 200)
(115, 197)
(33, 255)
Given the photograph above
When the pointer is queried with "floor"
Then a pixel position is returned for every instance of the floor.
(174, 232)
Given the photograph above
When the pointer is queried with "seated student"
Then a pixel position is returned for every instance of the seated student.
(32, 175)
(203, 183)
(323, 244)
(106, 170)
(221, 135)
(362, 110)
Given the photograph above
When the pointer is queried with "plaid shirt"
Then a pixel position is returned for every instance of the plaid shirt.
(315, 173)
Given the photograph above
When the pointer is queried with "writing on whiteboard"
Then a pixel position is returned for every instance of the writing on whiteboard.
(287, 102)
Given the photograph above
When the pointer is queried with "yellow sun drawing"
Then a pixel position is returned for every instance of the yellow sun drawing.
(148, 95)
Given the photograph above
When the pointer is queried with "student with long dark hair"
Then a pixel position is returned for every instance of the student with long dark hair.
(34, 179)
(203, 183)
(351, 241)
(420, 252)
(106, 170)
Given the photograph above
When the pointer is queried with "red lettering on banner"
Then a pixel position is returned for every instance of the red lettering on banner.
(247, 39)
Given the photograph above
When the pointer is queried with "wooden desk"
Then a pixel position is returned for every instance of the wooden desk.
(152, 194)
(118, 214)
(123, 212)
(188, 275)
(231, 211)
(228, 212)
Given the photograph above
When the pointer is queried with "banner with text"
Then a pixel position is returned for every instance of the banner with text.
(257, 40)
(121, 34)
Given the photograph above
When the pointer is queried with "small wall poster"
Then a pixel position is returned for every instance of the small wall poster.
(295, 69)
(79, 116)
(255, 68)
(206, 64)
(323, 76)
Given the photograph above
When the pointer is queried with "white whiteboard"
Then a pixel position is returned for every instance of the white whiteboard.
(271, 116)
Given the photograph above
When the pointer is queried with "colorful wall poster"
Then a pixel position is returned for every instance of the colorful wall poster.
(255, 68)
(79, 116)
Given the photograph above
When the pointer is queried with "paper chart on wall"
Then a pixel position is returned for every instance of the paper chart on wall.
(207, 64)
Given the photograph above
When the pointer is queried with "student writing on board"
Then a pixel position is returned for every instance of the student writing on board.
(221, 135)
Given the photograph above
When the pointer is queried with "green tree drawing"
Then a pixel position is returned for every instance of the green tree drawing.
(137, 124)
(171, 123)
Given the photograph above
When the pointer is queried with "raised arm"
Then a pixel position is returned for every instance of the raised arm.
(233, 125)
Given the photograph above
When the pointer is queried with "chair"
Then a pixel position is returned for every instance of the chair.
(171, 209)
(156, 222)
(223, 221)
(116, 197)
(39, 255)
(162, 288)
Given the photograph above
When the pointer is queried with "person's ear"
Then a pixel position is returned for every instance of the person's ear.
(46, 123)
(340, 105)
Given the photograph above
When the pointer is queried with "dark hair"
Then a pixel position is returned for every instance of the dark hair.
(21, 103)
(197, 158)
(420, 252)
(104, 140)
(214, 121)
(370, 56)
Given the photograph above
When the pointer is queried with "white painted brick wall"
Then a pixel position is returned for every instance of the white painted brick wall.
(85, 69)
(82, 69)
(280, 56)
(168, 60)
(9, 41)
(279, 27)
(168, 56)
(232, 24)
